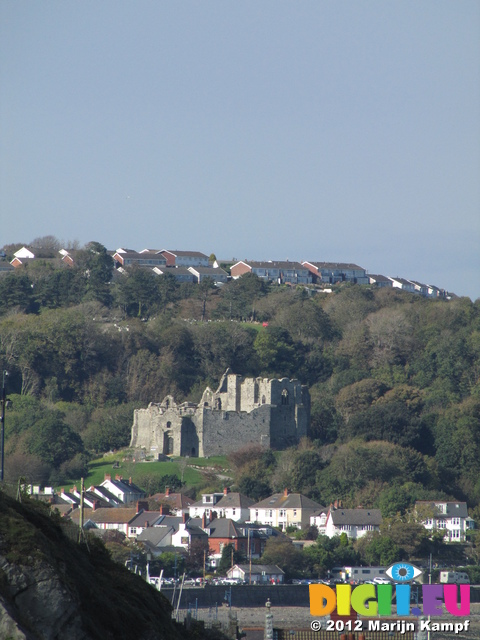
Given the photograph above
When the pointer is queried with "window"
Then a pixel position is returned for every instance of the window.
(270, 514)
(233, 511)
(284, 397)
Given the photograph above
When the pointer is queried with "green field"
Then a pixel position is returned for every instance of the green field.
(119, 464)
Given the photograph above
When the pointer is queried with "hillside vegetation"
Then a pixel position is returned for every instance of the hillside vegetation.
(393, 377)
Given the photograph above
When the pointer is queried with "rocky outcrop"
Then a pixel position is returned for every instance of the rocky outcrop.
(40, 599)
(52, 588)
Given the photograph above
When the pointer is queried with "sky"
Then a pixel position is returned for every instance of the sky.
(263, 129)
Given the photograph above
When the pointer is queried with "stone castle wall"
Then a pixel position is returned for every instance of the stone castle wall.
(270, 413)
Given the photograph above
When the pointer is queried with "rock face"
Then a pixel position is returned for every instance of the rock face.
(52, 588)
(41, 601)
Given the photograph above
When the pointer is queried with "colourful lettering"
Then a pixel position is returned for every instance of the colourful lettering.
(450, 594)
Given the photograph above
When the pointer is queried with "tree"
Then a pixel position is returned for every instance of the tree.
(284, 554)
(15, 292)
(97, 267)
(238, 297)
(391, 421)
(276, 351)
(230, 557)
(377, 549)
(198, 553)
(53, 442)
(139, 292)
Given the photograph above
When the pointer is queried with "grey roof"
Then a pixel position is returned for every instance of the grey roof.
(290, 501)
(107, 494)
(280, 264)
(455, 509)
(233, 499)
(197, 254)
(402, 281)
(154, 535)
(224, 528)
(175, 271)
(125, 486)
(174, 500)
(378, 277)
(335, 265)
(150, 517)
(356, 516)
(259, 568)
(209, 271)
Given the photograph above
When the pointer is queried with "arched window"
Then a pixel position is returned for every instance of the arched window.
(264, 400)
(284, 396)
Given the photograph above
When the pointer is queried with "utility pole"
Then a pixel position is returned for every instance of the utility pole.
(2, 418)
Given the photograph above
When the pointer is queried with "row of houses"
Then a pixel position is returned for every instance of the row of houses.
(227, 517)
(194, 267)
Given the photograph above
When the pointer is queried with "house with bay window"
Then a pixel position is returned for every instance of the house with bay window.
(449, 517)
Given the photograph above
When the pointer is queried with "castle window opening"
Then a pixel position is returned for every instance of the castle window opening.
(284, 397)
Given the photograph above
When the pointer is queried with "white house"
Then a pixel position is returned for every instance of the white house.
(232, 505)
(284, 510)
(123, 489)
(450, 518)
(257, 573)
(353, 522)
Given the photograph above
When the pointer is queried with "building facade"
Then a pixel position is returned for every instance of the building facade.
(243, 411)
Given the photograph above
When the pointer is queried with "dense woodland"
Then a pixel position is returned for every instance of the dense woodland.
(393, 377)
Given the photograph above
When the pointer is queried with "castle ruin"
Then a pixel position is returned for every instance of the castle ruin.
(273, 413)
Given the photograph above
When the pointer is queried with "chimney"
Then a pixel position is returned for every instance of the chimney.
(335, 504)
(285, 493)
(164, 510)
(142, 505)
(74, 488)
(204, 520)
(130, 481)
(108, 476)
(146, 524)
(117, 477)
(62, 490)
(225, 491)
(96, 505)
(184, 518)
(167, 491)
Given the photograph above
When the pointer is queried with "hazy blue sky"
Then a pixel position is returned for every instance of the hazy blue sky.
(310, 130)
